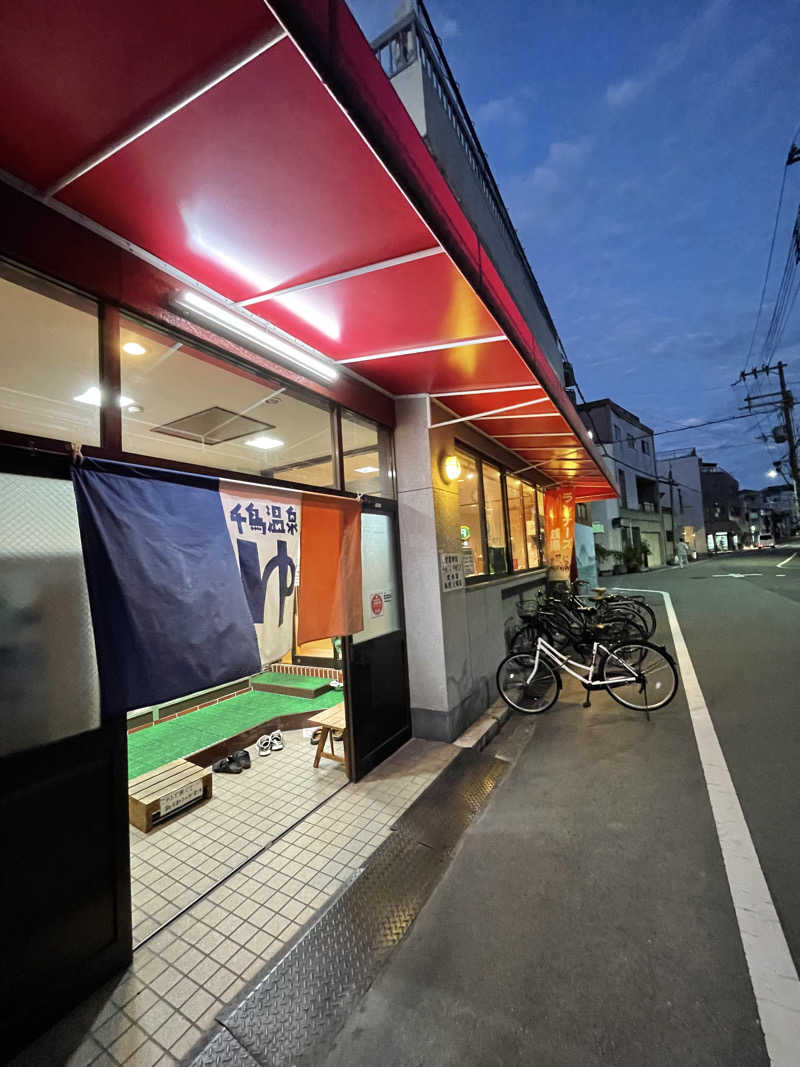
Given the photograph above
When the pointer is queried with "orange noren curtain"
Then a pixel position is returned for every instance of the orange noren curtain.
(329, 598)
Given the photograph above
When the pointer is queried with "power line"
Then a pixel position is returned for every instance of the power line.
(792, 157)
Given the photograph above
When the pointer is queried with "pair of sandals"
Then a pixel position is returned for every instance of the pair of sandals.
(270, 743)
(338, 735)
(233, 764)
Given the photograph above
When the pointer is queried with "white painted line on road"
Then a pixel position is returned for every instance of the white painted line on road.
(789, 560)
(772, 971)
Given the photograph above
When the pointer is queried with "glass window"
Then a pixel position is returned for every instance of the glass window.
(540, 515)
(367, 454)
(49, 361)
(184, 404)
(617, 433)
(623, 489)
(645, 446)
(495, 520)
(631, 442)
(532, 533)
(516, 524)
(469, 512)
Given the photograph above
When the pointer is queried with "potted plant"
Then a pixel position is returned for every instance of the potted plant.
(645, 551)
(605, 559)
(632, 556)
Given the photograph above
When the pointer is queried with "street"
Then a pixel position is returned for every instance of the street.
(588, 917)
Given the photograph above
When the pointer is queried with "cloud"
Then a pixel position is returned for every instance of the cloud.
(449, 28)
(562, 160)
(668, 58)
(510, 110)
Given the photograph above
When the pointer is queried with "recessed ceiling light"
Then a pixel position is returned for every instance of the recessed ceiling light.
(265, 442)
(133, 348)
(367, 470)
(92, 396)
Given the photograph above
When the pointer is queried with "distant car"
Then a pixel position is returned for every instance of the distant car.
(766, 541)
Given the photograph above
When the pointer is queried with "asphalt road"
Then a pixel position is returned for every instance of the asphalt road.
(587, 918)
(743, 635)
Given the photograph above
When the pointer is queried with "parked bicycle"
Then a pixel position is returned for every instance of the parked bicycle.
(572, 621)
(637, 674)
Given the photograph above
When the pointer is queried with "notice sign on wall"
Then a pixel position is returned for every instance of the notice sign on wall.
(451, 566)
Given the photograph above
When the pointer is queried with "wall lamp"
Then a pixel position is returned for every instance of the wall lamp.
(451, 468)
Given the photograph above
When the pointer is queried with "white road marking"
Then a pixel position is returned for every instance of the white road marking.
(733, 574)
(789, 560)
(772, 972)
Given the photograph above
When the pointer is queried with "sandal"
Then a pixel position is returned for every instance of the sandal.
(242, 757)
(228, 765)
(338, 735)
(276, 740)
(315, 735)
(264, 744)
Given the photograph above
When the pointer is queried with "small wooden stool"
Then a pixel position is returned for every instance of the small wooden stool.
(165, 791)
(328, 721)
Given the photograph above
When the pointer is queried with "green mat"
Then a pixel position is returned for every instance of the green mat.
(157, 745)
(295, 681)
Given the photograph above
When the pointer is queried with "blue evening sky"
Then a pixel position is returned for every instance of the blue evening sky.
(640, 148)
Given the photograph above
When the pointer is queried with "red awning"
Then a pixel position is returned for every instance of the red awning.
(262, 152)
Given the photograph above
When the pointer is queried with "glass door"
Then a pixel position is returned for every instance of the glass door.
(380, 715)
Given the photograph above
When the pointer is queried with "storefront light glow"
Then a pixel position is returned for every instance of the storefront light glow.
(92, 396)
(265, 442)
(269, 342)
(452, 468)
(367, 470)
(133, 348)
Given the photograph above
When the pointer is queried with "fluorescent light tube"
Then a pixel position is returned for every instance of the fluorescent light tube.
(251, 331)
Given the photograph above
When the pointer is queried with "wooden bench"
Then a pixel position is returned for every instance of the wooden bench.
(154, 796)
(328, 721)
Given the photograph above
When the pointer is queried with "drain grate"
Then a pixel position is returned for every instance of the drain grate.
(298, 1007)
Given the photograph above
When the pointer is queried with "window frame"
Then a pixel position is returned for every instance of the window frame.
(479, 458)
(109, 315)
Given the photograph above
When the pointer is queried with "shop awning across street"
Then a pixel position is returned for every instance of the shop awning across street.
(259, 155)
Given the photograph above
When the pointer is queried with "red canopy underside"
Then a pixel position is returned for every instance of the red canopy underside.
(262, 182)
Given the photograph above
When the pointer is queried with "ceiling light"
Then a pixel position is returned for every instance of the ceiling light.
(133, 348)
(451, 468)
(270, 342)
(367, 470)
(265, 442)
(92, 395)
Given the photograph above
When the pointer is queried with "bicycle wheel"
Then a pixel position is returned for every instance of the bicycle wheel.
(640, 675)
(643, 612)
(524, 688)
(524, 640)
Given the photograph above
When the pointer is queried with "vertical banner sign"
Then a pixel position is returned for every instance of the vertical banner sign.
(559, 527)
(264, 528)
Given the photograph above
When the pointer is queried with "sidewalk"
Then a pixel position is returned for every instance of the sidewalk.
(586, 918)
(189, 974)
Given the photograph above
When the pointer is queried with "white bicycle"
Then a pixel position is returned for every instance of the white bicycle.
(636, 674)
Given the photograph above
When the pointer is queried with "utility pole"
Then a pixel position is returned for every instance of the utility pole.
(785, 403)
(672, 510)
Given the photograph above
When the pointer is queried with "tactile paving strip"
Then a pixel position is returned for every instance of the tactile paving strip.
(295, 1011)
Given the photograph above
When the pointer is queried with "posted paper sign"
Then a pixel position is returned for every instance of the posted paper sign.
(559, 526)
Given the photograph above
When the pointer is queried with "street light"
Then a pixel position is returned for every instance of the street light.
(772, 473)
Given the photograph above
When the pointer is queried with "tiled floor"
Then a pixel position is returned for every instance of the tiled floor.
(176, 863)
(182, 978)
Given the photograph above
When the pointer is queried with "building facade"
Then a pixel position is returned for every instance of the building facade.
(726, 528)
(681, 494)
(634, 521)
(280, 333)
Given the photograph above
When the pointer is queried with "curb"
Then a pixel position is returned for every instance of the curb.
(481, 732)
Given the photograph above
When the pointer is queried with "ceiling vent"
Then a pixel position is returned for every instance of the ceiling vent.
(212, 426)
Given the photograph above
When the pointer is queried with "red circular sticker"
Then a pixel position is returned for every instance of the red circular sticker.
(377, 604)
